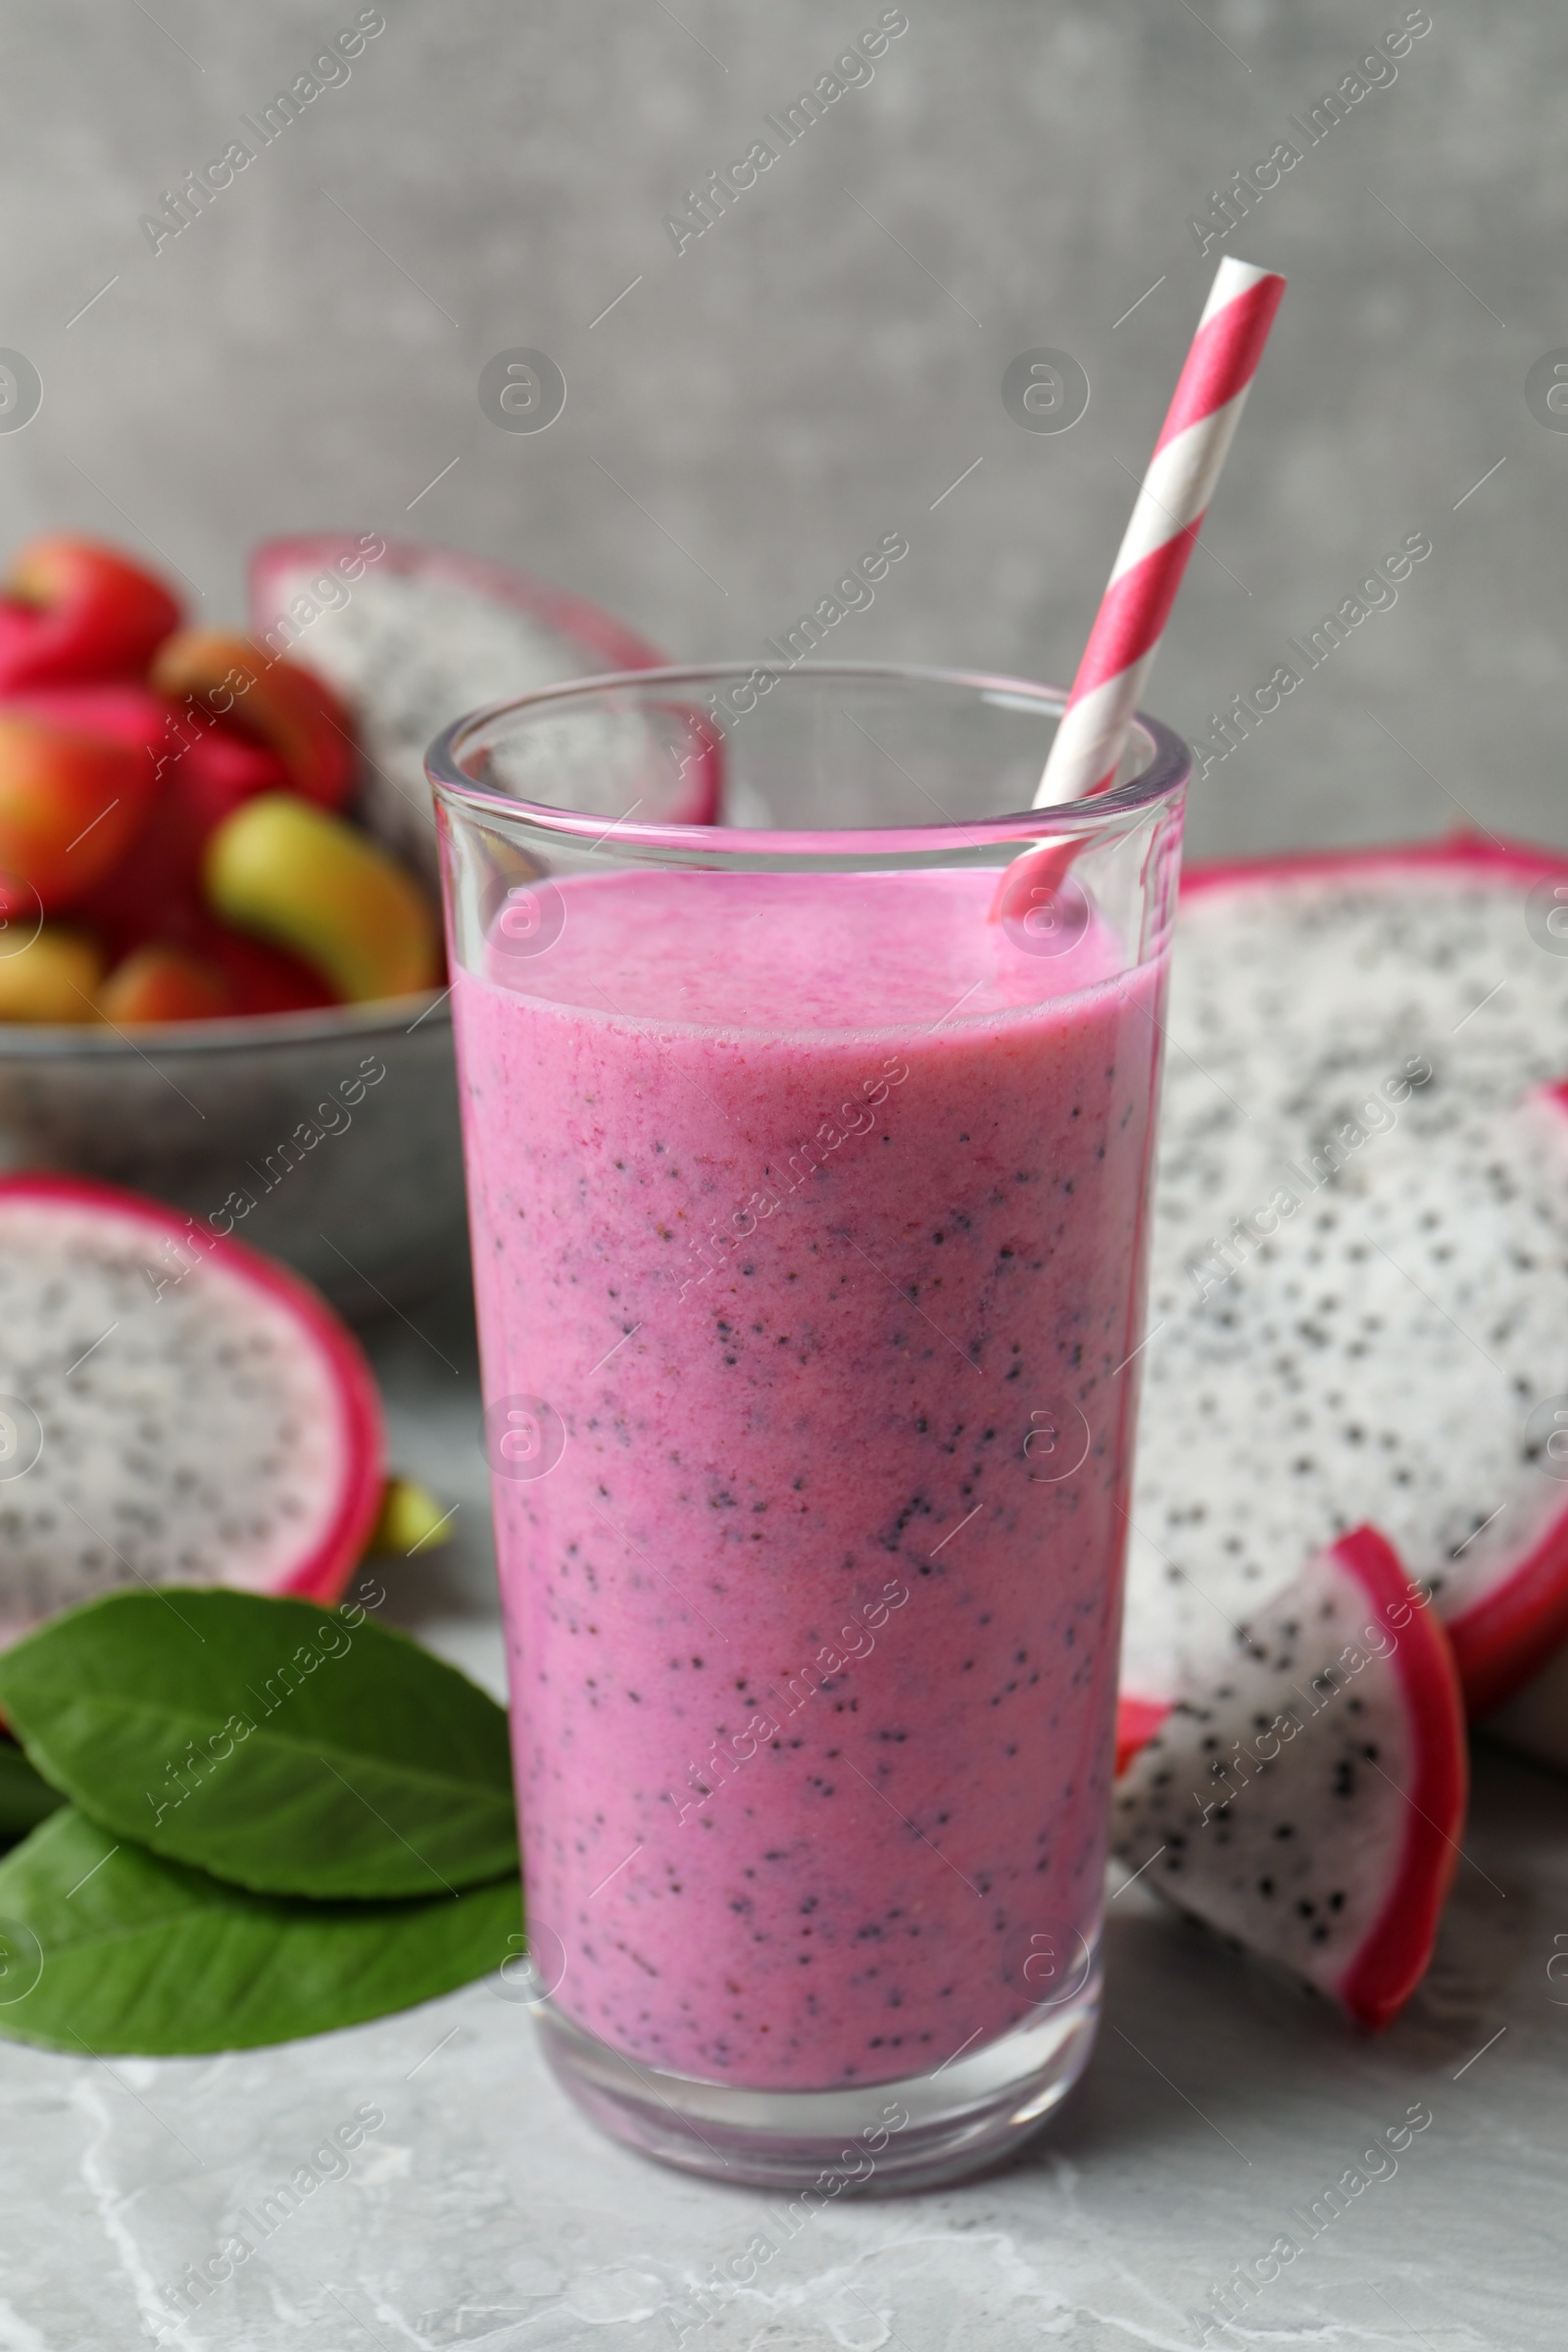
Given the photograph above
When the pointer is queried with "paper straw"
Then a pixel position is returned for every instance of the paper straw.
(1172, 500)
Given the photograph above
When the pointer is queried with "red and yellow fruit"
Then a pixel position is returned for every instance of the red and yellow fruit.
(288, 709)
(261, 978)
(160, 983)
(76, 608)
(52, 977)
(132, 752)
(310, 883)
(71, 805)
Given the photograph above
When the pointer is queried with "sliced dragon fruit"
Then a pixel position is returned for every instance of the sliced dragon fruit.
(422, 634)
(174, 1408)
(1301, 982)
(1297, 1385)
(1308, 1796)
(1392, 1346)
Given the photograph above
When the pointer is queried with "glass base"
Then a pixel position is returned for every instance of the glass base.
(916, 2131)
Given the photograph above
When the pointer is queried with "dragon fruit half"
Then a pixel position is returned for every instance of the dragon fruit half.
(1359, 1298)
(173, 1409)
(413, 636)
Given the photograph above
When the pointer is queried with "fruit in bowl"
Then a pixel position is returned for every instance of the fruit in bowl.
(221, 891)
(180, 795)
(76, 608)
(298, 876)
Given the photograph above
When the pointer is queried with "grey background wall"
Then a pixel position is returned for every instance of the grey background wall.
(818, 368)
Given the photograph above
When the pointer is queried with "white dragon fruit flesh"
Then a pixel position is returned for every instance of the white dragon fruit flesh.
(174, 1410)
(422, 634)
(1306, 1797)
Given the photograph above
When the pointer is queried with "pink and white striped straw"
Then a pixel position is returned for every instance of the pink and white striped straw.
(1172, 501)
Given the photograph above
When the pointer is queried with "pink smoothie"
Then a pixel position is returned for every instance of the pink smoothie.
(812, 1209)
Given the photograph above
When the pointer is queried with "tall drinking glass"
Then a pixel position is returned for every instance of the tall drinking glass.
(809, 1207)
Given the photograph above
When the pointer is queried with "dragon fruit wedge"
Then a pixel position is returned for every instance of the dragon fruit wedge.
(1360, 1288)
(1308, 1796)
(173, 1409)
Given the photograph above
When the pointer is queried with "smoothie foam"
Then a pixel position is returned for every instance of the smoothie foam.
(814, 1643)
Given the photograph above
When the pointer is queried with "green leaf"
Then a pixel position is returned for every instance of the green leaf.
(291, 1749)
(115, 1951)
(26, 1798)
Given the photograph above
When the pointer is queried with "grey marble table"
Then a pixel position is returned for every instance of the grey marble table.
(1217, 2113)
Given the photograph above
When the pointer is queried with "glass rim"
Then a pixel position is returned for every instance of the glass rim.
(1167, 772)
